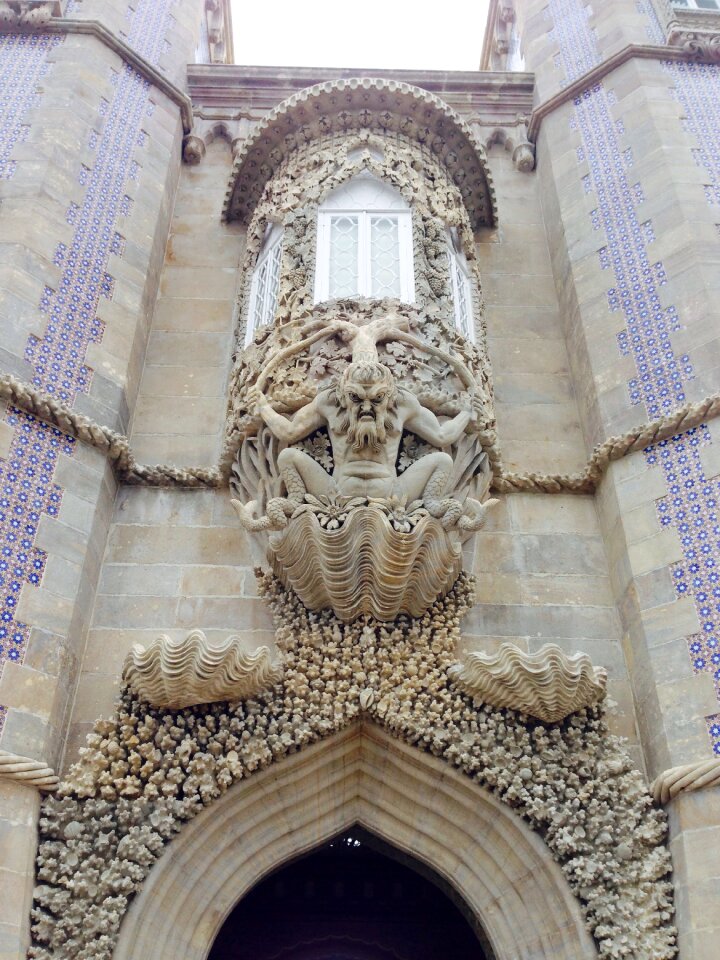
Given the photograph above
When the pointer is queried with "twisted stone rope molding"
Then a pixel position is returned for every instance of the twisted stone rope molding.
(689, 776)
(29, 773)
(614, 448)
(116, 448)
(114, 445)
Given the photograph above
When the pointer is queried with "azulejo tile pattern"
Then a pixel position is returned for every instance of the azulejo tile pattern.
(690, 506)
(23, 64)
(28, 490)
(574, 35)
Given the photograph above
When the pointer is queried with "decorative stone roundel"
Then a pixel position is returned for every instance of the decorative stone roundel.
(364, 103)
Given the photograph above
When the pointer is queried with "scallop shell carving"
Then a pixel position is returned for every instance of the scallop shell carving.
(548, 685)
(366, 566)
(182, 673)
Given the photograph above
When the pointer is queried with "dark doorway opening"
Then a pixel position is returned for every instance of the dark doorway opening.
(356, 898)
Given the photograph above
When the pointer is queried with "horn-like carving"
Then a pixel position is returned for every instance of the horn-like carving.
(182, 673)
(548, 685)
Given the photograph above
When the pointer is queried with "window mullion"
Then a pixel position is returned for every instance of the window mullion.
(363, 255)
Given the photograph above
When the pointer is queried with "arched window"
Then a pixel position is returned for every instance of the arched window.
(364, 246)
(265, 282)
(461, 289)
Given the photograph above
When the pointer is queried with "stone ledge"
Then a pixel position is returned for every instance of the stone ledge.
(96, 29)
(695, 53)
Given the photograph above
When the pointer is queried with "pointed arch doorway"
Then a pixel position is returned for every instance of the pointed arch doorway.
(414, 802)
(354, 898)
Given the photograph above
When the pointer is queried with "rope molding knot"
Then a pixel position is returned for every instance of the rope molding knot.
(28, 772)
(117, 449)
(688, 776)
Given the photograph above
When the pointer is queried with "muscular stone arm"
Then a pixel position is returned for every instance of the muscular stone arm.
(427, 426)
(303, 423)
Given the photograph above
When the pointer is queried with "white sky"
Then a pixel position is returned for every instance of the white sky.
(399, 34)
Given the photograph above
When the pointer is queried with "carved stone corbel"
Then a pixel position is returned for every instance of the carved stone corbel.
(193, 149)
(524, 157)
(24, 16)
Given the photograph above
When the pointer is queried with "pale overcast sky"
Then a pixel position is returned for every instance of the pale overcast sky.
(439, 35)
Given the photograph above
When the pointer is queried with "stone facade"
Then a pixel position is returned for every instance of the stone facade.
(584, 190)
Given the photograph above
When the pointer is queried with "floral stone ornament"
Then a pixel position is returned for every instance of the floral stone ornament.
(366, 536)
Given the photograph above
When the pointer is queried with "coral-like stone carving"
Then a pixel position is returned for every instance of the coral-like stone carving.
(31, 773)
(26, 15)
(147, 771)
(175, 674)
(548, 685)
(687, 777)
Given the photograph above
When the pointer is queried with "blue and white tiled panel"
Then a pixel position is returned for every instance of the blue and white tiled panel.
(634, 277)
(58, 357)
(23, 64)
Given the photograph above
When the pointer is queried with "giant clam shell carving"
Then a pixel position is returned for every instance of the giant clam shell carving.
(548, 685)
(366, 567)
(182, 673)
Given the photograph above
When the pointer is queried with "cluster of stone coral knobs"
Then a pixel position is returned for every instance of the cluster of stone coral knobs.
(149, 769)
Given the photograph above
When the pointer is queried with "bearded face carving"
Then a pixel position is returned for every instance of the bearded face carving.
(367, 398)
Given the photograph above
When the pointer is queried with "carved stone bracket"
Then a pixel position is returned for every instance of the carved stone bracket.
(368, 515)
(515, 139)
(193, 149)
(27, 15)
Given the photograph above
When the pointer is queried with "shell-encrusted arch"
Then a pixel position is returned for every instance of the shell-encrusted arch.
(375, 104)
(363, 776)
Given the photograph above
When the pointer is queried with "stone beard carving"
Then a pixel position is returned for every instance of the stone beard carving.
(374, 540)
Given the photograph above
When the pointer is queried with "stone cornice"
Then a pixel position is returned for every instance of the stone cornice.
(100, 32)
(490, 96)
(363, 103)
(633, 51)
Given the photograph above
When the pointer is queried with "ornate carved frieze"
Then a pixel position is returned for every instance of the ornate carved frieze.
(385, 107)
(27, 15)
(147, 771)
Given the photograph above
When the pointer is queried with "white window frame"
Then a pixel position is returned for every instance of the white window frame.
(694, 5)
(461, 287)
(365, 211)
(261, 313)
